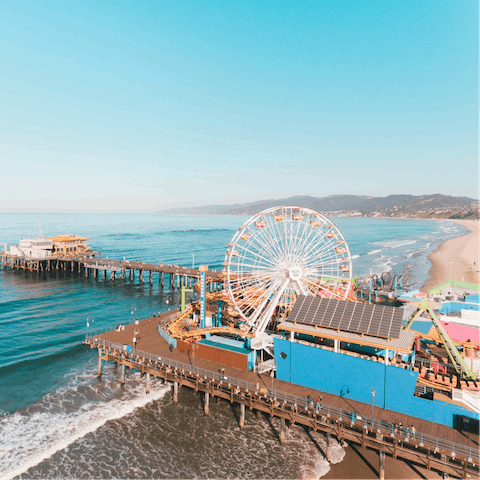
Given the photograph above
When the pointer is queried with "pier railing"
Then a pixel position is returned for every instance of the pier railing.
(307, 406)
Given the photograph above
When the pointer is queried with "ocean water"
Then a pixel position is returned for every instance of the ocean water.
(57, 420)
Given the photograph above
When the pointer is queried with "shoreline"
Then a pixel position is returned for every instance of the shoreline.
(456, 258)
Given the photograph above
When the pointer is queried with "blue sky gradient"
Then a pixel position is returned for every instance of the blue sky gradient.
(143, 105)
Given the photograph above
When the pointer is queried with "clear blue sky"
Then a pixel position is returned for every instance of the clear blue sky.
(144, 105)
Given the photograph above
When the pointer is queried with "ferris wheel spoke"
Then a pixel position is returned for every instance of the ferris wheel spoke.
(327, 262)
(271, 241)
(301, 240)
(267, 314)
(261, 254)
(322, 247)
(327, 246)
(258, 243)
(252, 287)
(259, 287)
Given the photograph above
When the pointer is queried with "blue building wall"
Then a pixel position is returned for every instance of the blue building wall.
(338, 374)
(448, 307)
(472, 298)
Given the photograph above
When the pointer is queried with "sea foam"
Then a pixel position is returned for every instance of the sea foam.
(28, 437)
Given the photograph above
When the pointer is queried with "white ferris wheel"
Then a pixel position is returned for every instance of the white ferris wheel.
(280, 253)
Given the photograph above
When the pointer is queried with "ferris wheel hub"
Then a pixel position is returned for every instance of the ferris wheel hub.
(295, 273)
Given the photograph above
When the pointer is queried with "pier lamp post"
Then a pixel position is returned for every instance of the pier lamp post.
(88, 323)
(373, 394)
(136, 333)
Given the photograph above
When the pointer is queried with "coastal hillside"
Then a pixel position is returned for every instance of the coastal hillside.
(412, 206)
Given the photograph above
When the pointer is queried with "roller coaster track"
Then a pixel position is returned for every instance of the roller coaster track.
(454, 355)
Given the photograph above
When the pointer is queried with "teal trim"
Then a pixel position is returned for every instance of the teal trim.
(224, 346)
(167, 337)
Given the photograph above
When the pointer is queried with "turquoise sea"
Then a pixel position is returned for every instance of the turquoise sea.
(58, 421)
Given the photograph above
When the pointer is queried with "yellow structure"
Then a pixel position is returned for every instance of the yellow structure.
(70, 244)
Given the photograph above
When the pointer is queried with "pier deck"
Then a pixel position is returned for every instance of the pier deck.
(150, 341)
(179, 276)
(421, 448)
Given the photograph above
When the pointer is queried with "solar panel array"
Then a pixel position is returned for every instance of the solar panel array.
(379, 320)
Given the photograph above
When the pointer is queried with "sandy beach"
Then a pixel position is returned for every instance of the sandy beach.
(456, 259)
(363, 463)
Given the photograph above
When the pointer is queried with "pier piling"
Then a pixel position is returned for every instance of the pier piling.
(147, 386)
(444, 459)
(282, 431)
(99, 370)
(122, 375)
(328, 441)
(242, 416)
(175, 393)
(381, 470)
(206, 405)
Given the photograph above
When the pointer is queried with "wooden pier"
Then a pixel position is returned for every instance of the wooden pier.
(432, 446)
(113, 270)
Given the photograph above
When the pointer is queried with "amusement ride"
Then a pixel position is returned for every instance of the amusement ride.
(280, 253)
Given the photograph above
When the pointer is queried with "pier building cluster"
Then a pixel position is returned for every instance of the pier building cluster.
(284, 329)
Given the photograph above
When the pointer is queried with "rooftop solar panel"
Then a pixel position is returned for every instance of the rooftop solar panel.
(378, 320)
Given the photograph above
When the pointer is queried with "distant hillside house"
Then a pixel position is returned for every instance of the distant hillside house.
(70, 244)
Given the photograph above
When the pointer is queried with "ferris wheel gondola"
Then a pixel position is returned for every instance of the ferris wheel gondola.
(280, 253)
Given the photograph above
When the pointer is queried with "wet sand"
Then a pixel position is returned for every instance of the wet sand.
(363, 463)
(456, 259)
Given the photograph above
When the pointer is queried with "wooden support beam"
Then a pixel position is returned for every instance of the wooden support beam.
(175, 393)
(206, 405)
(328, 441)
(242, 416)
(122, 375)
(99, 369)
(381, 469)
(282, 431)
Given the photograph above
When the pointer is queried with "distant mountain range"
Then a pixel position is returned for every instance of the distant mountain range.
(422, 206)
